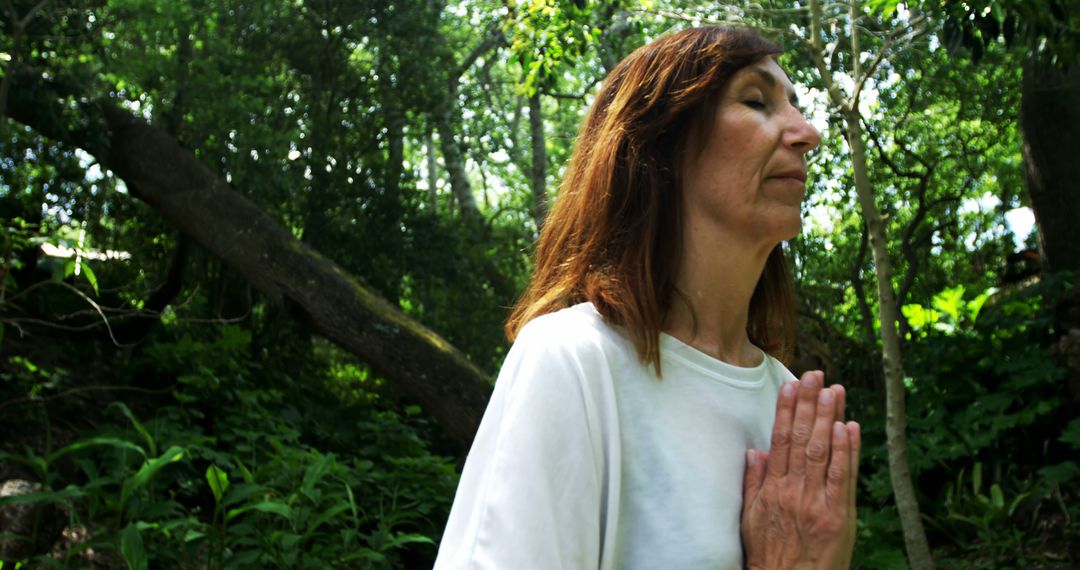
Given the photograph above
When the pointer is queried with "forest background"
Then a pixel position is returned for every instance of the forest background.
(255, 258)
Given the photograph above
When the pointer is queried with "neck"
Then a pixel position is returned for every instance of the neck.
(716, 279)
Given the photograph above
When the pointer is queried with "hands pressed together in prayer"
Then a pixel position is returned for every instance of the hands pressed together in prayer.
(799, 497)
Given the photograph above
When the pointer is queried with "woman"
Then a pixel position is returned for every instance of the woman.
(629, 420)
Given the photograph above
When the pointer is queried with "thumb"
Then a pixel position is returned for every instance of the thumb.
(755, 473)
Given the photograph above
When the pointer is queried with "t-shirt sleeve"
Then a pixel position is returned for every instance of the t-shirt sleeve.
(530, 492)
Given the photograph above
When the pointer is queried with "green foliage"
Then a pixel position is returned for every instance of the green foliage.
(984, 399)
(1050, 28)
(257, 493)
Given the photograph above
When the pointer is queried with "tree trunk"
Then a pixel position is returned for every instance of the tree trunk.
(916, 545)
(421, 365)
(432, 168)
(918, 549)
(1050, 121)
(455, 168)
(539, 160)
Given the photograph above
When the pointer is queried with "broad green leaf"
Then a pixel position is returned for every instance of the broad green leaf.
(131, 547)
(150, 468)
(192, 535)
(90, 277)
(997, 497)
(1060, 473)
(920, 317)
(245, 472)
(290, 540)
(218, 480)
(950, 302)
(1071, 433)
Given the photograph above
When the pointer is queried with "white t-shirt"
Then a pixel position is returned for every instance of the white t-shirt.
(585, 459)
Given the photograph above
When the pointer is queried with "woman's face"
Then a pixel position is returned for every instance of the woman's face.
(749, 180)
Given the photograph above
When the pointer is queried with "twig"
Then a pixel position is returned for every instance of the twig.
(71, 391)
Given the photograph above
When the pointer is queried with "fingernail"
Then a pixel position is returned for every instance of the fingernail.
(788, 389)
(751, 458)
(811, 381)
(825, 398)
(838, 430)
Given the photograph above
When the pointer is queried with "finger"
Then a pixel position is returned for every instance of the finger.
(803, 424)
(817, 449)
(838, 482)
(841, 401)
(781, 434)
(854, 432)
(754, 476)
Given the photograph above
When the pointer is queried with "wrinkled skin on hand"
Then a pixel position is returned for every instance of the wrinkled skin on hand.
(799, 497)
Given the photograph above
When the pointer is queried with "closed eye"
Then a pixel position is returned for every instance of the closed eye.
(754, 104)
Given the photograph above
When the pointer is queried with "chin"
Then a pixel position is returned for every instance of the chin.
(788, 230)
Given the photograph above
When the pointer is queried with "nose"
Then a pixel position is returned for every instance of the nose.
(800, 134)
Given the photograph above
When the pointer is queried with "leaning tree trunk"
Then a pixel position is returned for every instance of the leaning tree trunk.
(418, 363)
(916, 545)
(1050, 121)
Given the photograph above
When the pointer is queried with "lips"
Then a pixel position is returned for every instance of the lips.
(796, 173)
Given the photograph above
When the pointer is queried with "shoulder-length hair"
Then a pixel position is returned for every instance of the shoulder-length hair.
(613, 236)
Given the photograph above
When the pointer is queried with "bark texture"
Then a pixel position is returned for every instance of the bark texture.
(421, 365)
(1050, 121)
(538, 176)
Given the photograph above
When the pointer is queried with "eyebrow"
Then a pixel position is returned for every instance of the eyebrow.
(770, 79)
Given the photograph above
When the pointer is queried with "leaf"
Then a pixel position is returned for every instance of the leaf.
(403, 539)
(997, 497)
(1060, 473)
(95, 441)
(365, 553)
(1071, 434)
(275, 507)
(315, 472)
(90, 277)
(137, 425)
(1016, 503)
(290, 540)
(326, 516)
(241, 492)
(131, 547)
(950, 302)
(38, 464)
(918, 316)
(192, 535)
(218, 480)
(245, 472)
(69, 492)
(150, 468)
(975, 305)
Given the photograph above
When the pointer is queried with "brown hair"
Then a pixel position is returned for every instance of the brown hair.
(613, 236)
